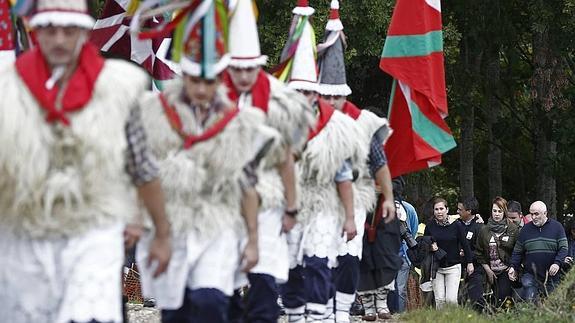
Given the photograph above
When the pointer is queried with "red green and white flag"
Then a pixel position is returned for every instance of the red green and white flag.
(7, 41)
(112, 35)
(413, 56)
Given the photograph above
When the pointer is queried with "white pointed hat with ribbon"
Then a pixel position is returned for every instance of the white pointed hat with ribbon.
(244, 42)
(303, 74)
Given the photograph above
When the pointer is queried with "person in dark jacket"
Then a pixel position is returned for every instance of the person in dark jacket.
(379, 265)
(427, 260)
(494, 248)
(450, 237)
(541, 248)
(473, 284)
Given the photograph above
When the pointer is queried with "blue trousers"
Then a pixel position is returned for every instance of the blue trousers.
(311, 283)
(533, 287)
(204, 305)
(400, 293)
(260, 305)
(346, 274)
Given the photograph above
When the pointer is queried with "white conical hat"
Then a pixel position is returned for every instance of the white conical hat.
(62, 13)
(303, 75)
(244, 42)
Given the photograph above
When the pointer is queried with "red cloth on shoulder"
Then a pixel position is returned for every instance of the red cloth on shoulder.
(260, 91)
(351, 110)
(34, 71)
(325, 113)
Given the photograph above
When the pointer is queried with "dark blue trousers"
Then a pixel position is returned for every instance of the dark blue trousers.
(318, 280)
(475, 283)
(205, 305)
(346, 275)
(311, 283)
(293, 292)
(260, 305)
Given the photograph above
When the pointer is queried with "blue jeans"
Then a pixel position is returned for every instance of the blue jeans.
(533, 287)
(401, 285)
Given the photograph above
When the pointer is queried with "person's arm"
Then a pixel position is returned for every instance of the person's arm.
(479, 248)
(383, 179)
(517, 256)
(287, 173)
(152, 196)
(562, 247)
(343, 180)
(413, 221)
(142, 167)
(382, 176)
(466, 248)
(250, 206)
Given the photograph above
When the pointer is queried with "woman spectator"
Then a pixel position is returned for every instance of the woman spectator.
(494, 248)
(449, 238)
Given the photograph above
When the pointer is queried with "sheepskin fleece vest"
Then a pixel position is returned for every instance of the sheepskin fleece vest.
(289, 114)
(322, 158)
(62, 181)
(364, 187)
(202, 183)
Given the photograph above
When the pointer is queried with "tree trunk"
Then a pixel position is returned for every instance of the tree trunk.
(466, 153)
(493, 111)
(545, 147)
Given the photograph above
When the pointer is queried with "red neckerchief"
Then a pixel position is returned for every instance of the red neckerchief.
(190, 140)
(260, 90)
(34, 71)
(325, 113)
(351, 110)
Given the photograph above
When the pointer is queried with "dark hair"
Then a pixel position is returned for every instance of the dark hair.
(439, 200)
(398, 184)
(470, 204)
(514, 206)
(501, 203)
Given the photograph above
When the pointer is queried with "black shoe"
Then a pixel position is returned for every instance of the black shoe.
(356, 307)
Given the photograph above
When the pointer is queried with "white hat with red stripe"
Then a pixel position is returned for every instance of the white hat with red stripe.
(244, 42)
(64, 13)
(303, 8)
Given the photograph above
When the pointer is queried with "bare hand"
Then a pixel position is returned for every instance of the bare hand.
(349, 228)
(434, 246)
(512, 274)
(132, 233)
(160, 252)
(250, 255)
(490, 275)
(554, 269)
(288, 222)
(478, 219)
(388, 211)
(470, 269)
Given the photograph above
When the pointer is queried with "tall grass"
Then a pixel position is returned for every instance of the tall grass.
(558, 308)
